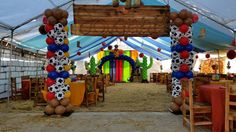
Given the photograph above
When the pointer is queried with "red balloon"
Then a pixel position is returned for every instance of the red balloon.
(207, 55)
(110, 47)
(184, 28)
(141, 55)
(49, 40)
(78, 53)
(184, 68)
(184, 41)
(50, 54)
(101, 49)
(120, 52)
(50, 68)
(231, 54)
(50, 82)
(48, 27)
(159, 49)
(195, 18)
(45, 20)
(184, 54)
(50, 96)
(103, 43)
(234, 42)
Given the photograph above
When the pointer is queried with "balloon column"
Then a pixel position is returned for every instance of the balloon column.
(56, 29)
(144, 67)
(182, 50)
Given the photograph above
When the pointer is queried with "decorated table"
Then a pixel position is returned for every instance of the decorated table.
(215, 95)
(77, 90)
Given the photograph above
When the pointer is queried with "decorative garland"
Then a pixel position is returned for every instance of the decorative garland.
(56, 29)
(182, 50)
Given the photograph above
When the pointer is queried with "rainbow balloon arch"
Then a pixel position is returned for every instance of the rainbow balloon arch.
(112, 57)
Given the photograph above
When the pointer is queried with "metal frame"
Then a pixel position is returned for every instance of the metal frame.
(181, 2)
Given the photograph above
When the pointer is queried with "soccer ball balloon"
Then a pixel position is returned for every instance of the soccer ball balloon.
(59, 40)
(59, 68)
(58, 27)
(60, 95)
(59, 54)
(60, 81)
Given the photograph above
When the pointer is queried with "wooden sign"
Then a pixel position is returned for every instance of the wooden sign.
(105, 20)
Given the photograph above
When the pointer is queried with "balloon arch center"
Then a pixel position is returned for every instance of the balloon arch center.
(112, 57)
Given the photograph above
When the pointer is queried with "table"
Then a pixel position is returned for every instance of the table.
(214, 94)
(222, 82)
(77, 90)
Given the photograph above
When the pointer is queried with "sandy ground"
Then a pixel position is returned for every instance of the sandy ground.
(121, 97)
(132, 107)
(124, 97)
(95, 121)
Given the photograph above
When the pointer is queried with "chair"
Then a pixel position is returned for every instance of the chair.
(90, 96)
(230, 103)
(101, 87)
(14, 91)
(198, 113)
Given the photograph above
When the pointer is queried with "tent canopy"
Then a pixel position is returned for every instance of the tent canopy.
(25, 16)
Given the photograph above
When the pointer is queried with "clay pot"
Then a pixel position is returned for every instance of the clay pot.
(65, 101)
(59, 110)
(54, 103)
(49, 110)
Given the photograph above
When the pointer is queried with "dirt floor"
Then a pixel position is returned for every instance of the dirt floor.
(133, 107)
(121, 97)
(133, 97)
(95, 121)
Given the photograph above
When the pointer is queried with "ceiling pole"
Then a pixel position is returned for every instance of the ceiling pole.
(9, 72)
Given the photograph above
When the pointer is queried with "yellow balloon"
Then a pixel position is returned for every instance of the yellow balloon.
(66, 54)
(67, 94)
(66, 28)
(67, 81)
(66, 41)
(67, 67)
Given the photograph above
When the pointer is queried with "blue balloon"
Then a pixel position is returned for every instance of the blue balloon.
(52, 47)
(64, 74)
(189, 74)
(178, 74)
(179, 48)
(173, 48)
(189, 47)
(64, 47)
(53, 75)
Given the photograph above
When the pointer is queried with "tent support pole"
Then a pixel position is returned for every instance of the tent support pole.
(9, 72)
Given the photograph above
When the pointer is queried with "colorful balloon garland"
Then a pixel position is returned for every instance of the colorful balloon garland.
(56, 29)
(182, 50)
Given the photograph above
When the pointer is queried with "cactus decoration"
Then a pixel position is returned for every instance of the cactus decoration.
(72, 67)
(144, 67)
(92, 66)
